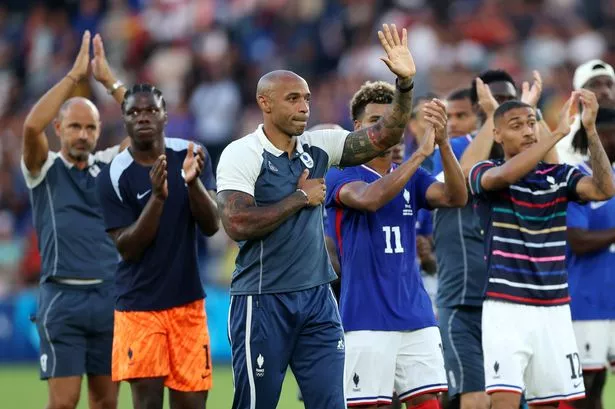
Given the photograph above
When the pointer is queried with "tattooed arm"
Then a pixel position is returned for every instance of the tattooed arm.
(600, 185)
(365, 144)
(243, 220)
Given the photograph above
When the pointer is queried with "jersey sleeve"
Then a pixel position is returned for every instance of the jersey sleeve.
(425, 227)
(116, 212)
(207, 175)
(423, 180)
(107, 155)
(331, 141)
(458, 146)
(239, 167)
(573, 176)
(33, 180)
(335, 180)
(578, 216)
(476, 175)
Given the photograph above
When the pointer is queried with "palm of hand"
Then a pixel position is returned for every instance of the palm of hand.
(190, 169)
(402, 63)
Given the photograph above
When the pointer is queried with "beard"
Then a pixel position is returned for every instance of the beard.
(80, 154)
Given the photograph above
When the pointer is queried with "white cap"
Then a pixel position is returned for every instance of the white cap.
(589, 70)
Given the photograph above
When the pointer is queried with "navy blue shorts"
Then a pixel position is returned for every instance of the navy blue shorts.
(269, 332)
(75, 325)
(461, 331)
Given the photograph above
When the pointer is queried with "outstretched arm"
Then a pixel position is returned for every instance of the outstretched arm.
(35, 144)
(366, 144)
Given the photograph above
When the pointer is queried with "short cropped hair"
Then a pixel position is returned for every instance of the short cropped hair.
(376, 92)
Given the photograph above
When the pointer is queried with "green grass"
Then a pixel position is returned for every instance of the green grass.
(21, 389)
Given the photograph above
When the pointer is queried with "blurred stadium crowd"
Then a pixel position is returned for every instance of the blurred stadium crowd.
(207, 55)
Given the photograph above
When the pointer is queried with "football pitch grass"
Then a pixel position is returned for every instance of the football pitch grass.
(20, 388)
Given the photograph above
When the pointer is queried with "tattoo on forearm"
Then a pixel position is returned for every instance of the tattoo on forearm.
(243, 220)
(601, 167)
(367, 143)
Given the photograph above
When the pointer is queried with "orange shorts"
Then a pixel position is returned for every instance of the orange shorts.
(172, 343)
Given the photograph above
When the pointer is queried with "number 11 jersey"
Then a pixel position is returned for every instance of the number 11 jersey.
(382, 289)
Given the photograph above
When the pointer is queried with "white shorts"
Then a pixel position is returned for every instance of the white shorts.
(380, 362)
(533, 349)
(596, 343)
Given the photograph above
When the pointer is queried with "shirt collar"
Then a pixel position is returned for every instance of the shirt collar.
(271, 148)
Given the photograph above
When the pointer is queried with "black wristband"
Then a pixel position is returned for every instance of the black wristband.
(404, 90)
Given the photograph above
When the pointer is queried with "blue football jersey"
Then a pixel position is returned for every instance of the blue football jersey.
(591, 276)
(382, 289)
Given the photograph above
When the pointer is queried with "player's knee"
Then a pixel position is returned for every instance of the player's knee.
(104, 402)
(505, 400)
(474, 400)
(426, 401)
(66, 401)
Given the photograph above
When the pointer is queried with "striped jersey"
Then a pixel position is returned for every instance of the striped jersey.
(525, 233)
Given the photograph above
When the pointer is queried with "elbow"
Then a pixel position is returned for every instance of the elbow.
(211, 228)
(235, 230)
(129, 256)
(459, 200)
(577, 247)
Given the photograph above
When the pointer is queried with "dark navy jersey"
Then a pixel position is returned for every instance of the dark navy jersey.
(68, 218)
(167, 275)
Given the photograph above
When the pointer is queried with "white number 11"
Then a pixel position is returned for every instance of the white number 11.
(387, 236)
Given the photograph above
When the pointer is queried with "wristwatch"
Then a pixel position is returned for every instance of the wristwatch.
(116, 85)
(403, 90)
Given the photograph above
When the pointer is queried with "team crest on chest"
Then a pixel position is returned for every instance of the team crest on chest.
(307, 160)
(407, 206)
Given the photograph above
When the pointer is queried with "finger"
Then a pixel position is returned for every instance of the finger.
(387, 62)
(304, 176)
(85, 43)
(440, 103)
(434, 111)
(200, 152)
(384, 42)
(537, 78)
(388, 35)
(190, 153)
(98, 47)
(434, 122)
(199, 162)
(395, 34)
(404, 37)
(525, 87)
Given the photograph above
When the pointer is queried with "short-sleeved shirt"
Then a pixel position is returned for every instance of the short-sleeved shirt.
(293, 256)
(525, 227)
(68, 219)
(167, 274)
(459, 244)
(591, 276)
(382, 289)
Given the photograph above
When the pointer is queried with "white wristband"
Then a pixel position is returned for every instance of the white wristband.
(305, 194)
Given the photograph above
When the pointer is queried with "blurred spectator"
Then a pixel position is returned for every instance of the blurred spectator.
(206, 56)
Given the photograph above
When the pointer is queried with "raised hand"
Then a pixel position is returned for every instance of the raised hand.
(531, 95)
(567, 115)
(100, 66)
(485, 98)
(314, 188)
(82, 62)
(428, 144)
(158, 177)
(590, 109)
(398, 59)
(434, 112)
(193, 164)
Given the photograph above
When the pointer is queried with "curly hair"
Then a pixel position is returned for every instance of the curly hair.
(376, 92)
(146, 88)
